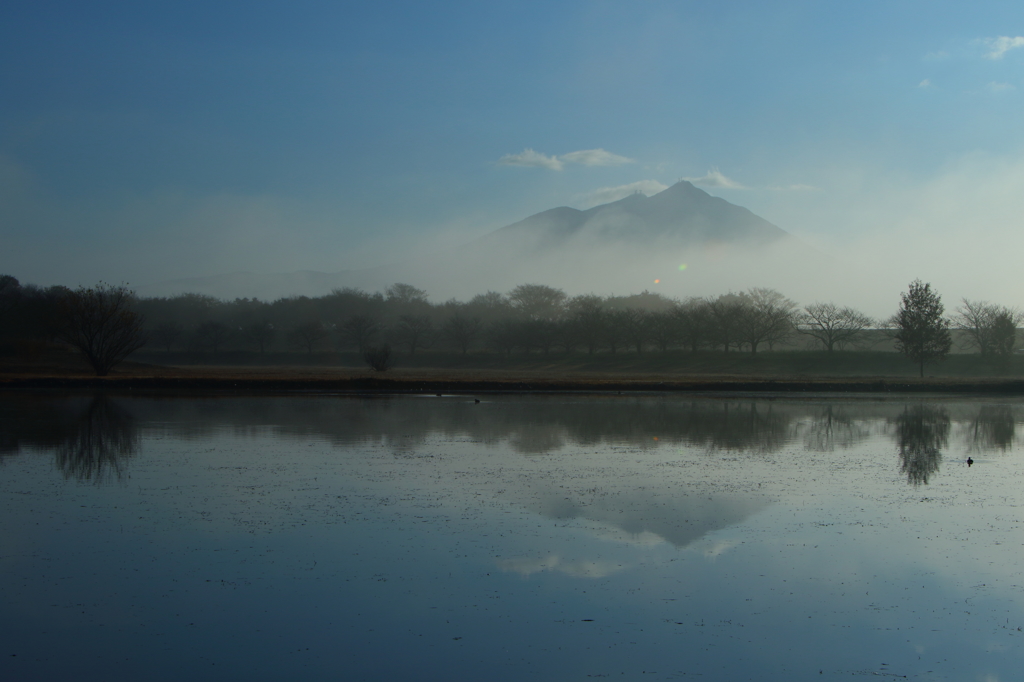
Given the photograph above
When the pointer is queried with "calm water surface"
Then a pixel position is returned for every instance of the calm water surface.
(521, 537)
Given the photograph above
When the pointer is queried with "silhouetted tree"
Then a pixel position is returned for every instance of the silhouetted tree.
(663, 329)
(100, 323)
(503, 335)
(211, 335)
(693, 320)
(413, 331)
(460, 331)
(10, 294)
(166, 334)
(724, 315)
(360, 331)
(537, 301)
(635, 324)
(991, 329)
(831, 325)
(764, 316)
(405, 294)
(614, 330)
(378, 358)
(308, 335)
(922, 333)
(587, 320)
(259, 334)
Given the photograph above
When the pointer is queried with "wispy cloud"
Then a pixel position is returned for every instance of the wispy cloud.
(583, 157)
(595, 157)
(1000, 87)
(714, 178)
(997, 47)
(606, 195)
(798, 187)
(529, 157)
(926, 83)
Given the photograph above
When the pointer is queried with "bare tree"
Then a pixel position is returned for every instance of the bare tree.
(460, 331)
(211, 335)
(663, 329)
(360, 331)
(166, 334)
(587, 319)
(693, 319)
(765, 316)
(10, 290)
(503, 336)
(831, 325)
(100, 323)
(990, 328)
(405, 294)
(537, 301)
(308, 335)
(378, 358)
(260, 334)
(414, 331)
(635, 324)
(724, 315)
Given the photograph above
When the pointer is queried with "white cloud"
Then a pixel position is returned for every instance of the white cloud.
(1001, 45)
(529, 157)
(713, 178)
(606, 195)
(584, 157)
(595, 157)
(926, 83)
(999, 87)
(526, 566)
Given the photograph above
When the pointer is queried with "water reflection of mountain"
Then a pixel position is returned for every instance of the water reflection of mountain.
(921, 433)
(678, 516)
(90, 436)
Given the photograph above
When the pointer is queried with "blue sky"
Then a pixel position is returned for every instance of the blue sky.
(145, 141)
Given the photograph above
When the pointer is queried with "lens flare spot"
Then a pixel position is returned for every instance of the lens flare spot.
(657, 281)
(682, 266)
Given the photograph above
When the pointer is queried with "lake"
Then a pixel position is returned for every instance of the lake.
(541, 537)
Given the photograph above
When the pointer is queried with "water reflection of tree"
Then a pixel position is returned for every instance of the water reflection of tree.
(993, 428)
(921, 433)
(105, 436)
(90, 437)
(833, 427)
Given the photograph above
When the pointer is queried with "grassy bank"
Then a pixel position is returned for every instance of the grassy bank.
(861, 372)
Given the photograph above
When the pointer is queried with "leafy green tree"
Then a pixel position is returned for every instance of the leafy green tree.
(922, 333)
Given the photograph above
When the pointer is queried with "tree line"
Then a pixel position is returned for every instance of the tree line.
(531, 318)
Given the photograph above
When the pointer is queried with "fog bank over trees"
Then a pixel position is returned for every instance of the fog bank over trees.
(529, 319)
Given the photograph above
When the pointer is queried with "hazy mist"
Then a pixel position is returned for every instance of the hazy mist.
(151, 148)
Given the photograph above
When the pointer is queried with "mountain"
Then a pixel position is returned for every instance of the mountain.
(619, 247)
(682, 213)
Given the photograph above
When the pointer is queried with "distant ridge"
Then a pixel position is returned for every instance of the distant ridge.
(561, 246)
(683, 213)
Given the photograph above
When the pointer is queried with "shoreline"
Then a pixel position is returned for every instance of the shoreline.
(226, 379)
